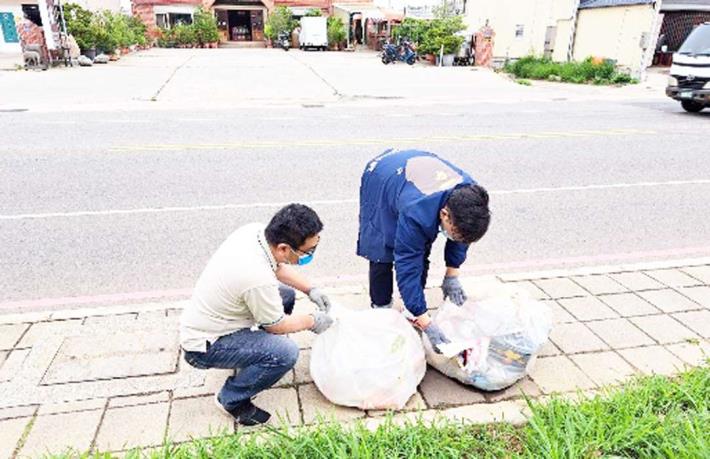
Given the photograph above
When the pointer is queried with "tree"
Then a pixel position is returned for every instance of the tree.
(280, 21)
(314, 12)
(205, 26)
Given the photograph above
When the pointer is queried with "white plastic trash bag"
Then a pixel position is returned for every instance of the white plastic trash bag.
(371, 359)
(494, 339)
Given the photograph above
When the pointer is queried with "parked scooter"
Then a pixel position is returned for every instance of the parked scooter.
(283, 41)
(403, 52)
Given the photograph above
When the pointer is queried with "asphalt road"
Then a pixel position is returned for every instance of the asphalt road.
(130, 204)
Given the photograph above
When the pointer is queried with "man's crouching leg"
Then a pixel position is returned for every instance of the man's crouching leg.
(261, 359)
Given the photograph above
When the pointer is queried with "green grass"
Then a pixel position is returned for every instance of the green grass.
(585, 72)
(656, 417)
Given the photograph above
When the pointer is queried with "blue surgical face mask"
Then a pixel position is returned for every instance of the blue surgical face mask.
(303, 259)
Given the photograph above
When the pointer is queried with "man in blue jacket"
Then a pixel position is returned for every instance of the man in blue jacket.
(406, 199)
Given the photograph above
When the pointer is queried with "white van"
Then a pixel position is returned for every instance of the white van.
(314, 33)
(689, 81)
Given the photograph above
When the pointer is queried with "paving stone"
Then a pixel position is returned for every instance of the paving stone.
(354, 302)
(604, 368)
(700, 295)
(112, 322)
(549, 349)
(440, 390)
(629, 304)
(525, 386)
(197, 418)
(698, 321)
(302, 369)
(133, 400)
(636, 281)
(663, 328)
(10, 335)
(150, 316)
(673, 277)
(653, 360)
(559, 314)
(415, 403)
(434, 297)
(58, 433)
(588, 308)
(576, 337)
(599, 284)
(560, 287)
(486, 413)
(11, 431)
(669, 300)
(71, 406)
(620, 333)
(282, 404)
(694, 354)
(559, 374)
(213, 382)
(316, 406)
(80, 359)
(17, 412)
(128, 427)
(533, 290)
(13, 364)
(701, 273)
(304, 339)
(39, 332)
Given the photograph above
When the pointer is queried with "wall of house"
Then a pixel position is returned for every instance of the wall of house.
(615, 33)
(14, 7)
(506, 17)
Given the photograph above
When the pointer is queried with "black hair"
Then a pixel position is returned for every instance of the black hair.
(468, 208)
(292, 225)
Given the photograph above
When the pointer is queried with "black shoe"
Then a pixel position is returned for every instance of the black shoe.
(246, 413)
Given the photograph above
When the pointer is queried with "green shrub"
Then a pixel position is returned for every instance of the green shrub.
(336, 31)
(281, 20)
(80, 25)
(587, 71)
(314, 12)
(205, 27)
(185, 34)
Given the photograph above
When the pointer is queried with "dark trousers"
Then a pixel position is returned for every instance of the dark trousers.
(382, 280)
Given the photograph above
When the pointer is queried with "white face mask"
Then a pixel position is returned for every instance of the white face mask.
(445, 233)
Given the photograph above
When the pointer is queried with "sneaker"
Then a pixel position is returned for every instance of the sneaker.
(246, 413)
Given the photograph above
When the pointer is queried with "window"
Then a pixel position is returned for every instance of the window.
(32, 13)
(168, 20)
(519, 31)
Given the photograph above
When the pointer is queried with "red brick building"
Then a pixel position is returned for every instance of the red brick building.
(238, 20)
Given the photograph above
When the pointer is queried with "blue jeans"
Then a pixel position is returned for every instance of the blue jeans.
(260, 357)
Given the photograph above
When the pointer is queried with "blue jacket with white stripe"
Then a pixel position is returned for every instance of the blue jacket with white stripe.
(401, 194)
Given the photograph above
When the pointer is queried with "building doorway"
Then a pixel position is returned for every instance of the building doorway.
(239, 25)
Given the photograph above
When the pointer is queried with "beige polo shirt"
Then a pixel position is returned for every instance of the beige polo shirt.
(237, 289)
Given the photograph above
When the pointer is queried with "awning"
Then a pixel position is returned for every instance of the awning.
(368, 11)
(685, 5)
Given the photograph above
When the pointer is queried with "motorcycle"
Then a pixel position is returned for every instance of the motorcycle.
(404, 52)
(283, 41)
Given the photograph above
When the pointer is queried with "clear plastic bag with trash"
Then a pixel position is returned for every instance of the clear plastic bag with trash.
(368, 359)
(495, 337)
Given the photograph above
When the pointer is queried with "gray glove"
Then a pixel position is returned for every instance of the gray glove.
(436, 337)
(319, 299)
(452, 289)
(321, 322)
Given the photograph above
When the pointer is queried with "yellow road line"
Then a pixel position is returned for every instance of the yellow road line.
(395, 141)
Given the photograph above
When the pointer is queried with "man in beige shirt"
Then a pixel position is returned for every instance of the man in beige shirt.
(241, 308)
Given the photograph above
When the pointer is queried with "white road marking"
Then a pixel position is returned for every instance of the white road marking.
(326, 202)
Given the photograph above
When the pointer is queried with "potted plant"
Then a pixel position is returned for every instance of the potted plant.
(81, 25)
(442, 37)
(336, 32)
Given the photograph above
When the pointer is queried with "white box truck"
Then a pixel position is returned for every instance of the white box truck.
(314, 33)
(689, 81)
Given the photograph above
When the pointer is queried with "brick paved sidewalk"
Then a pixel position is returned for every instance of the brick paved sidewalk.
(112, 379)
